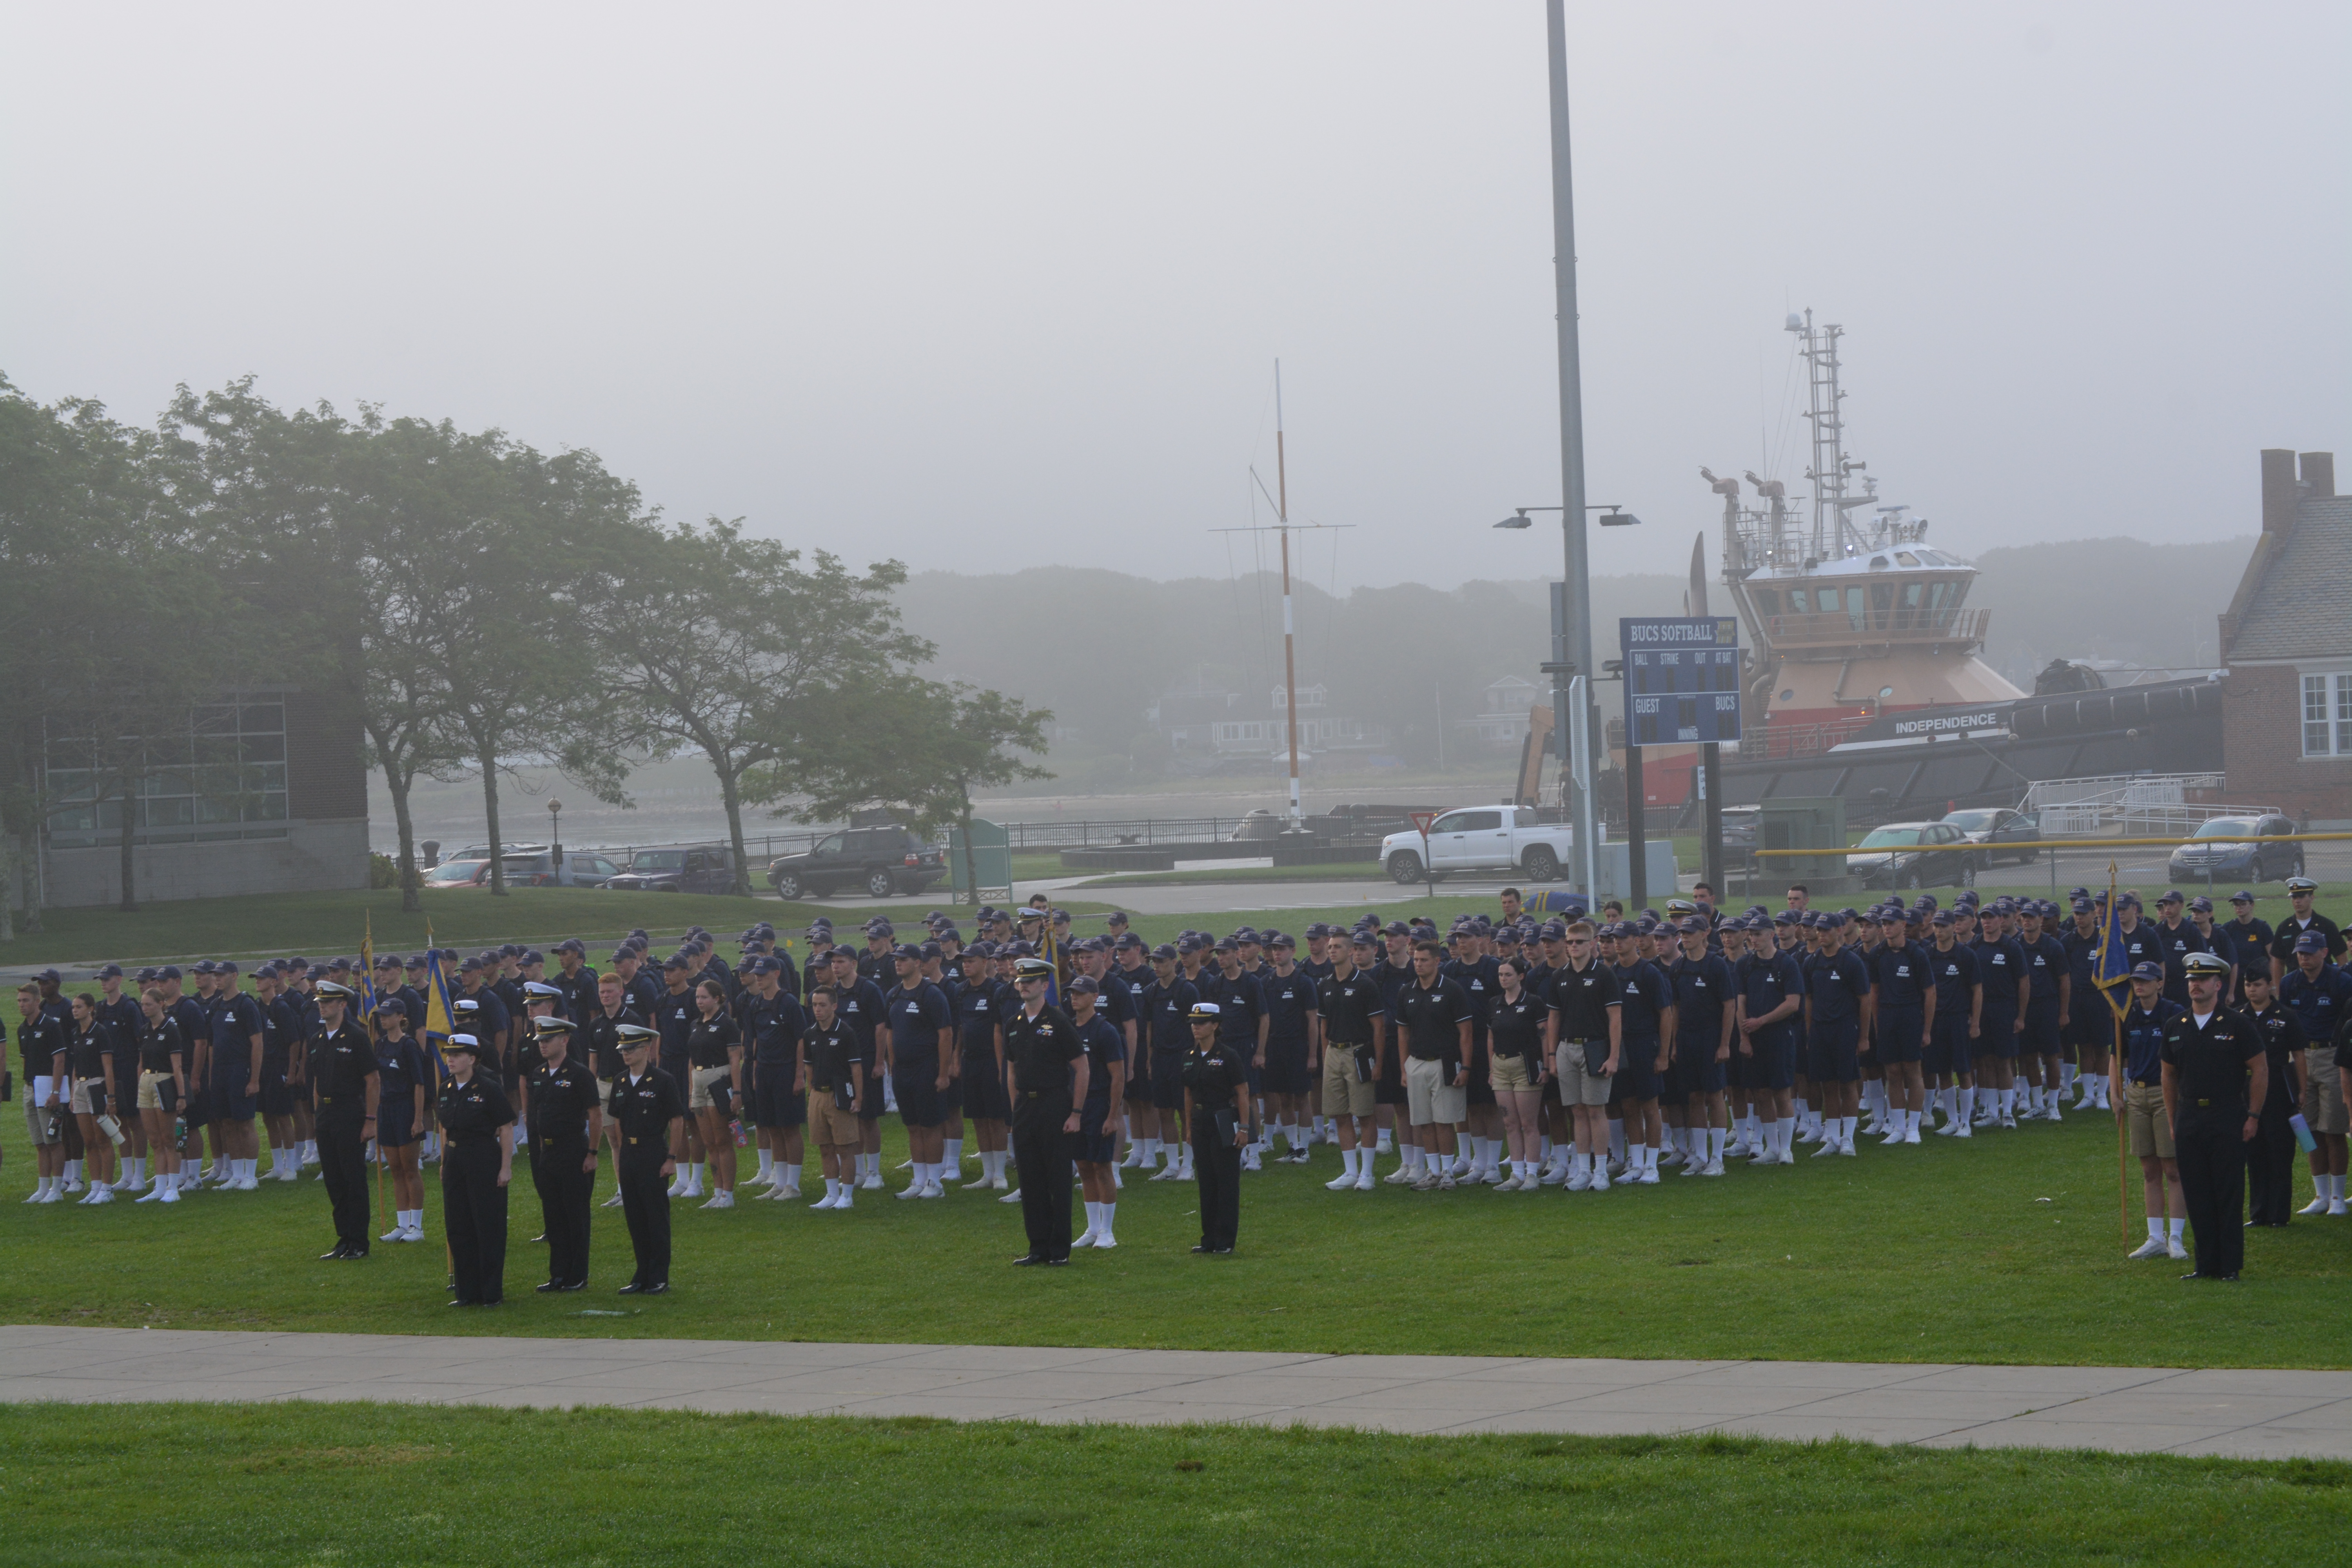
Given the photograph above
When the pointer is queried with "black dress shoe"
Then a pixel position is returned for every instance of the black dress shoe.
(547, 1289)
(659, 1289)
(341, 1251)
(1025, 1259)
(1057, 1262)
(1202, 1247)
(632, 1288)
(2227, 1278)
(2195, 1274)
(541, 1237)
(575, 1285)
(1222, 1251)
(355, 1254)
(461, 1303)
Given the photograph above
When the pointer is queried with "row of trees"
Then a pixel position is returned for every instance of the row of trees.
(478, 603)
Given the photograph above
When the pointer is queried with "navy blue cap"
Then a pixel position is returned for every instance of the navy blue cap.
(531, 955)
(110, 971)
(2171, 896)
(1942, 919)
(1116, 918)
(2241, 896)
(674, 961)
(930, 950)
(2311, 941)
(907, 951)
(842, 955)
(1363, 939)
(571, 944)
(1085, 983)
(169, 972)
(1166, 950)
(2082, 906)
(1127, 938)
(149, 975)
(2200, 905)
(2144, 969)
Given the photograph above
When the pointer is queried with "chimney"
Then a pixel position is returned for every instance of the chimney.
(2279, 490)
(2319, 475)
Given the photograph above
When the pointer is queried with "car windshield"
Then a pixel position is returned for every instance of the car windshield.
(659, 860)
(1969, 821)
(2227, 827)
(454, 871)
(1889, 837)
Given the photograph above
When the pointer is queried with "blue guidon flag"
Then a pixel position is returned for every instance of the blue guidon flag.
(2110, 971)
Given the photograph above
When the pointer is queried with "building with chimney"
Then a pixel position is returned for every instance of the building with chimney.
(2286, 642)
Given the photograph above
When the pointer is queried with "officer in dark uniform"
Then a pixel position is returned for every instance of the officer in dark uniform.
(565, 1120)
(1040, 1044)
(2215, 1080)
(475, 1170)
(1216, 1113)
(342, 1065)
(2270, 1158)
(647, 1108)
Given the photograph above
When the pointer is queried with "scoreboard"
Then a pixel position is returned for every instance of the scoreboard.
(1682, 679)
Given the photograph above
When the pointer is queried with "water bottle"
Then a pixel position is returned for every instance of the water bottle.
(742, 1138)
(2302, 1132)
(179, 1131)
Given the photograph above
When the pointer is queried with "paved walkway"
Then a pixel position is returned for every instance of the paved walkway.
(2244, 1414)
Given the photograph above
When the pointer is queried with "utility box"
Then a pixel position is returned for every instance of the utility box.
(1802, 822)
(992, 851)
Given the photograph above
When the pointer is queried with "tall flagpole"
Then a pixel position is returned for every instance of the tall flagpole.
(1289, 651)
(1575, 584)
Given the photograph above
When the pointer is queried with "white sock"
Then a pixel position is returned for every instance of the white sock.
(1714, 1136)
(767, 1164)
(1347, 1163)
(1846, 1130)
(2176, 1225)
(1110, 1212)
(1617, 1140)
(1543, 1150)
(832, 1188)
(952, 1149)
(1385, 1142)
(1788, 1132)
(2155, 1229)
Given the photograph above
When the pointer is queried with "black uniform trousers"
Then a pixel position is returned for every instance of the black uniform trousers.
(474, 1216)
(2270, 1170)
(2212, 1160)
(564, 1189)
(1217, 1167)
(342, 1165)
(1041, 1151)
(645, 1203)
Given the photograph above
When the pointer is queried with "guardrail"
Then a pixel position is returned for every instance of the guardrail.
(2170, 843)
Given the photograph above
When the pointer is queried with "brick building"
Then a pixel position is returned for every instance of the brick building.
(2286, 640)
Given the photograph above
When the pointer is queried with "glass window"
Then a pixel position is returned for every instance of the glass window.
(1798, 604)
(1768, 601)
(2318, 733)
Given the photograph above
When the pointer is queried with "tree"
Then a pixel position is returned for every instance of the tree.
(731, 647)
(925, 747)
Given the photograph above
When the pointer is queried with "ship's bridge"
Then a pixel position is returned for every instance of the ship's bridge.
(1904, 594)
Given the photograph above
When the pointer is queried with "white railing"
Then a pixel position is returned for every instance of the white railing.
(2138, 804)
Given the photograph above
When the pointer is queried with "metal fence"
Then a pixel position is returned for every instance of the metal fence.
(2132, 804)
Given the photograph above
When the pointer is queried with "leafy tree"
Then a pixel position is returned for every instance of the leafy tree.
(731, 647)
(924, 747)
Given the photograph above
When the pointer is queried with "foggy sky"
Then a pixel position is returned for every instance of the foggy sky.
(981, 286)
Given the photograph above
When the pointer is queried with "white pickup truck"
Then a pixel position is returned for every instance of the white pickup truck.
(1480, 839)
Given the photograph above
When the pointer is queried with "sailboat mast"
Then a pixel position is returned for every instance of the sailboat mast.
(1289, 646)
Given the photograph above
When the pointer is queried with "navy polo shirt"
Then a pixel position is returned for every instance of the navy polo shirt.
(918, 1015)
(1765, 981)
(1287, 1005)
(1837, 983)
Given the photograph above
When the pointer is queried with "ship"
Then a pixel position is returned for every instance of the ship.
(1862, 655)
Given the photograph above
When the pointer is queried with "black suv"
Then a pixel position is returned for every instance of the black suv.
(879, 860)
(697, 868)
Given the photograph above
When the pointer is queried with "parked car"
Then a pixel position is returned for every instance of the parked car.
(2238, 850)
(470, 872)
(1480, 839)
(696, 868)
(880, 862)
(580, 869)
(1739, 825)
(1912, 855)
(2004, 834)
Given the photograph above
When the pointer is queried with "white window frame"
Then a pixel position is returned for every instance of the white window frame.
(2324, 712)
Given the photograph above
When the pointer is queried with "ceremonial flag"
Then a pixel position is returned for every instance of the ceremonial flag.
(2109, 971)
(367, 967)
(438, 1014)
(1051, 951)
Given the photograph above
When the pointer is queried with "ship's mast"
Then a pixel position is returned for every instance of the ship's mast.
(1819, 345)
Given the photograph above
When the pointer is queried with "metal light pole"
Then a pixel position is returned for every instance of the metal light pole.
(1576, 642)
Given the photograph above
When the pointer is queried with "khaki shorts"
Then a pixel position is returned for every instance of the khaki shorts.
(2322, 1100)
(704, 1080)
(833, 1127)
(150, 1090)
(1507, 1074)
(2151, 1129)
(1342, 1094)
(604, 1093)
(1430, 1100)
(88, 1093)
(36, 1121)
(1579, 1084)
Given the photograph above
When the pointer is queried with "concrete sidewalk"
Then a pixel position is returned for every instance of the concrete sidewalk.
(2240, 1414)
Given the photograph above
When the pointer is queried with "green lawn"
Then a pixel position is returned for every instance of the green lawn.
(2005, 1248)
(272, 1484)
(1368, 871)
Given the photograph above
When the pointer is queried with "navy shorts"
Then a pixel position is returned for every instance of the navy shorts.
(394, 1129)
(1697, 1071)
(2041, 1034)
(1899, 1032)
(1948, 1049)
(1285, 1067)
(1774, 1064)
(2000, 1039)
(873, 1111)
(233, 1098)
(773, 1103)
(920, 1101)
(983, 1092)
(1090, 1147)
(276, 1097)
(1480, 1089)
(1167, 1080)
(1831, 1053)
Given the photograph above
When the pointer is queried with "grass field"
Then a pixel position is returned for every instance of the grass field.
(1245, 876)
(2005, 1248)
(372, 1484)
